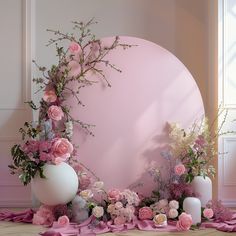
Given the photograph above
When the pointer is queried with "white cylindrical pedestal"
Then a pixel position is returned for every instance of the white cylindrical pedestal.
(202, 187)
(192, 206)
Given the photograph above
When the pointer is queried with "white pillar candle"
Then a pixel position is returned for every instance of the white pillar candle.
(192, 206)
(202, 187)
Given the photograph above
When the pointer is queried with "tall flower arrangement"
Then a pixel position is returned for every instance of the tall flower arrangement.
(194, 149)
(49, 141)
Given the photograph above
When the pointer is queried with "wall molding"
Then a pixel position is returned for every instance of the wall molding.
(229, 203)
(25, 57)
(13, 193)
(15, 203)
(226, 140)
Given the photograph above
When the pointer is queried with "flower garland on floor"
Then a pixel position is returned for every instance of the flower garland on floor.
(49, 141)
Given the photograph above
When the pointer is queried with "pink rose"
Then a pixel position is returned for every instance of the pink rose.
(185, 221)
(49, 96)
(32, 146)
(145, 213)
(208, 213)
(119, 220)
(74, 47)
(63, 221)
(84, 181)
(44, 216)
(45, 156)
(58, 160)
(180, 169)
(61, 148)
(114, 195)
(55, 113)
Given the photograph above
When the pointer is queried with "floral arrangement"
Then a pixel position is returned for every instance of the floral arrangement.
(49, 141)
(194, 150)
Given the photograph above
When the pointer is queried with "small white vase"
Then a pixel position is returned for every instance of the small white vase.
(202, 187)
(59, 187)
(192, 206)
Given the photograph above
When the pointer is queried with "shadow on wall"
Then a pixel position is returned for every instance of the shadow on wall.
(153, 159)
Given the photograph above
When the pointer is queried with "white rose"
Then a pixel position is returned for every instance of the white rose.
(174, 204)
(162, 203)
(98, 211)
(160, 220)
(111, 208)
(98, 185)
(173, 213)
(118, 205)
(86, 194)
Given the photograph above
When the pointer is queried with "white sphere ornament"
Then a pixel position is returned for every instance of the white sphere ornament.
(59, 187)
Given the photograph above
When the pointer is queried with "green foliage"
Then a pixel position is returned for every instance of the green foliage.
(22, 163)
(32, 105)
(29, 131)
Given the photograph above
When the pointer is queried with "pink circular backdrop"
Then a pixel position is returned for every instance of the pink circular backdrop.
(130, 117)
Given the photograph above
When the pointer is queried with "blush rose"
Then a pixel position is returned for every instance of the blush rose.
(61, 149)
(74, 47)
(119, 220)
(114, 195)
(55, 113)
(185, 221)
(63, 221)
(44, 216)
(49, 96)
(145, 213)
(180, 169)
(208, 213)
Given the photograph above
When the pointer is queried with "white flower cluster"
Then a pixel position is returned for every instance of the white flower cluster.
(165, 207)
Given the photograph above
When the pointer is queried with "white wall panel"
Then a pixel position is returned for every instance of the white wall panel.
(14, 91)
(227, 99)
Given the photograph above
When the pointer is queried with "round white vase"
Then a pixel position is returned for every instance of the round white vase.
(59, 187)
(192, 206)
(202, 187)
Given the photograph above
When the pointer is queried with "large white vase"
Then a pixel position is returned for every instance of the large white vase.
(59, 187)
(202, 187)
(192, 206)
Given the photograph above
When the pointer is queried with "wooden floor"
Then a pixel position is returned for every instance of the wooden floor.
(19, 229)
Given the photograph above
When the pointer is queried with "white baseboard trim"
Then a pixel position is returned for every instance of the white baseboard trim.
(229, 203)
(15, 204)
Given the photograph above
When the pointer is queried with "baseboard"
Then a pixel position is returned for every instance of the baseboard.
(15, 204)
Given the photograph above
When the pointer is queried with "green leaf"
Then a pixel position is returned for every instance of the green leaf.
(32, 105)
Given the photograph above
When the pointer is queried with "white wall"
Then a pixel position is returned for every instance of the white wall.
(14, 91)
(181, 26)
